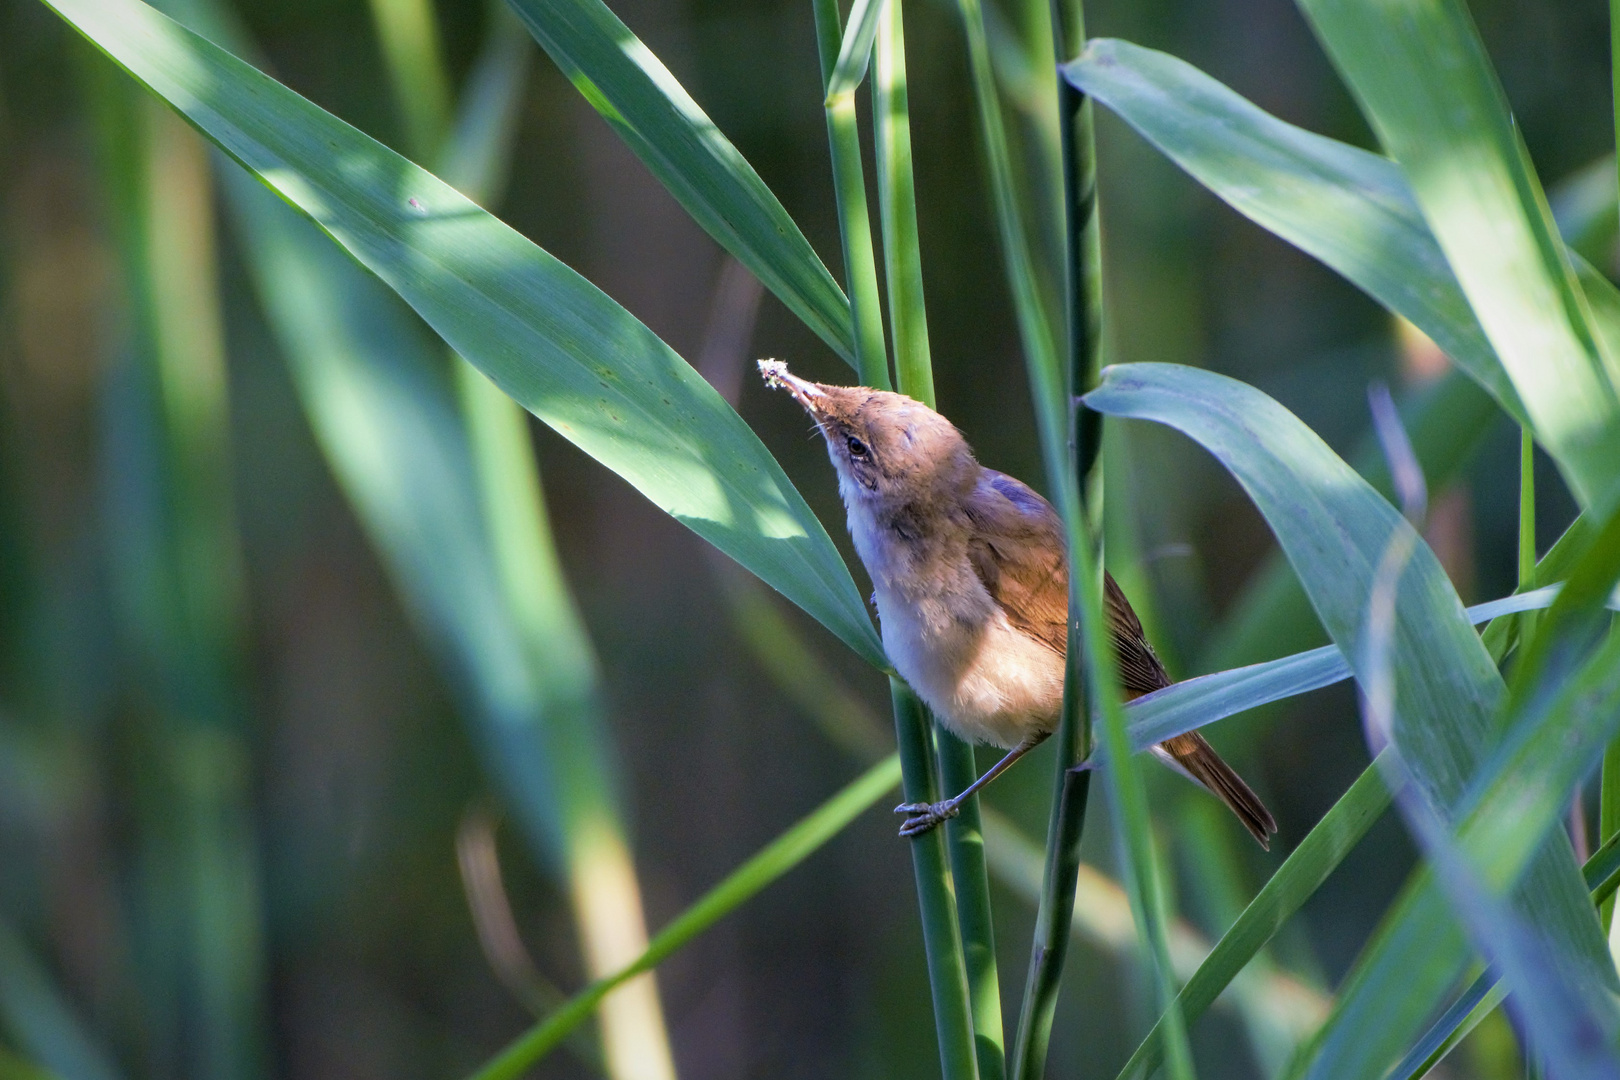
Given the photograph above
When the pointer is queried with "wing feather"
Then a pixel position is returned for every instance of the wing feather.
(1017, 549)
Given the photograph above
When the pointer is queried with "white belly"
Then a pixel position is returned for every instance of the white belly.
(985, 680)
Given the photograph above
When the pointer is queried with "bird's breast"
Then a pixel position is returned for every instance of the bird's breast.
(985, 679)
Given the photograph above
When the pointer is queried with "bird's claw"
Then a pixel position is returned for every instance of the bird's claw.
(921, 816)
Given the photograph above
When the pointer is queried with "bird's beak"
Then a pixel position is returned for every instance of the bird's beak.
(805, 392)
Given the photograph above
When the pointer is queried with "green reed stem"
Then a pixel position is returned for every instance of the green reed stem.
(1035, 329)
(1075, 458)
(936, 898)
(902, 267)
(854, 222)
(897, 208)
(409, 36)
(942, 937)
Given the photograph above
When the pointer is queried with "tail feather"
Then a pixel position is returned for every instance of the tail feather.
(1192, 754)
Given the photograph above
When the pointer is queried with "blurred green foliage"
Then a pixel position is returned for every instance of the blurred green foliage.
(231, 772)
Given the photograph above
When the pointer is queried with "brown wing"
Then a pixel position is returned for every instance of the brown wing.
(1017, 549)
(1016, 546)
(1139, 669)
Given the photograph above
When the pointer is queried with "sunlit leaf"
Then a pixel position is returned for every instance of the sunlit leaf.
(1422, 77)
(1347, 207)
(545, 335)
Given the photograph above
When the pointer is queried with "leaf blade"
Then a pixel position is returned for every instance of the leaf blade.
(671, 134)
(1421, 75)
(1334, 528)
(547, 337)
(1349, 208)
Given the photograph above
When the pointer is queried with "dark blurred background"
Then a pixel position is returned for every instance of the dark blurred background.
(358, 765)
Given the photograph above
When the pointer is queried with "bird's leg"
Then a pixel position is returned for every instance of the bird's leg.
(923, 816)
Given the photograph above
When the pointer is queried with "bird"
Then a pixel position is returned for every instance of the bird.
(970, 574)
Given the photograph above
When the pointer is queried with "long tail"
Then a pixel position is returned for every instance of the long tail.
(1191, 754)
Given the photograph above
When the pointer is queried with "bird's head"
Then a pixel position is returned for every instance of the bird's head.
(890, 450)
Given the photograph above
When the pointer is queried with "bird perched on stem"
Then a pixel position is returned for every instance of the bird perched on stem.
(971, 576)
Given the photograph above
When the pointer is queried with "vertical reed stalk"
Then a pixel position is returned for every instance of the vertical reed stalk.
(854, 222)
(1082, 296)
(1067, 449)
(1609, 784)
(902, 267)
(410, 47)
(936, 898)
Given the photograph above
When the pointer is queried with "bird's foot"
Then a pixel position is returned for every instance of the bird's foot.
(921, 816)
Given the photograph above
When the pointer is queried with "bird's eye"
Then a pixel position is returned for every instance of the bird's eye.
(857, 449)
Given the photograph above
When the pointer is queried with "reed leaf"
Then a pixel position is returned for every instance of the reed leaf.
(636, 94)
(1421, 75)
(1334, 528)
(548, 338)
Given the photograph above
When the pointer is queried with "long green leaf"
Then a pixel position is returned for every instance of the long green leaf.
(660, 122)
(1422, 77)
(1447, 423)
(1347, 207)
(914, 376)
(1564, 709)
(1295, 881)
(1334, 528)
(542, 333)
(774, 860)
(1193, 703)
(1602, 875)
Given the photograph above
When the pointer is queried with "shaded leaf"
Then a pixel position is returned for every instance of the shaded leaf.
(659, 121)
(1334, 528)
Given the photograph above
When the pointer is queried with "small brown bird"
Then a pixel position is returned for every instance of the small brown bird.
(972, 588)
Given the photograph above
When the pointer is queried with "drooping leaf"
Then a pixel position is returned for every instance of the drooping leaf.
(1423, 79)
(1354, 210)
(1347, 207)
(671, 134)
(547, 337)
(1334, 528)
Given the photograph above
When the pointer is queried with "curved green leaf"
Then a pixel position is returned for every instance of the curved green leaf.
(1422, 77)
(666, 129)
(542, 333)
(1334, 528)
(1602, 875)
(1349, 208)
